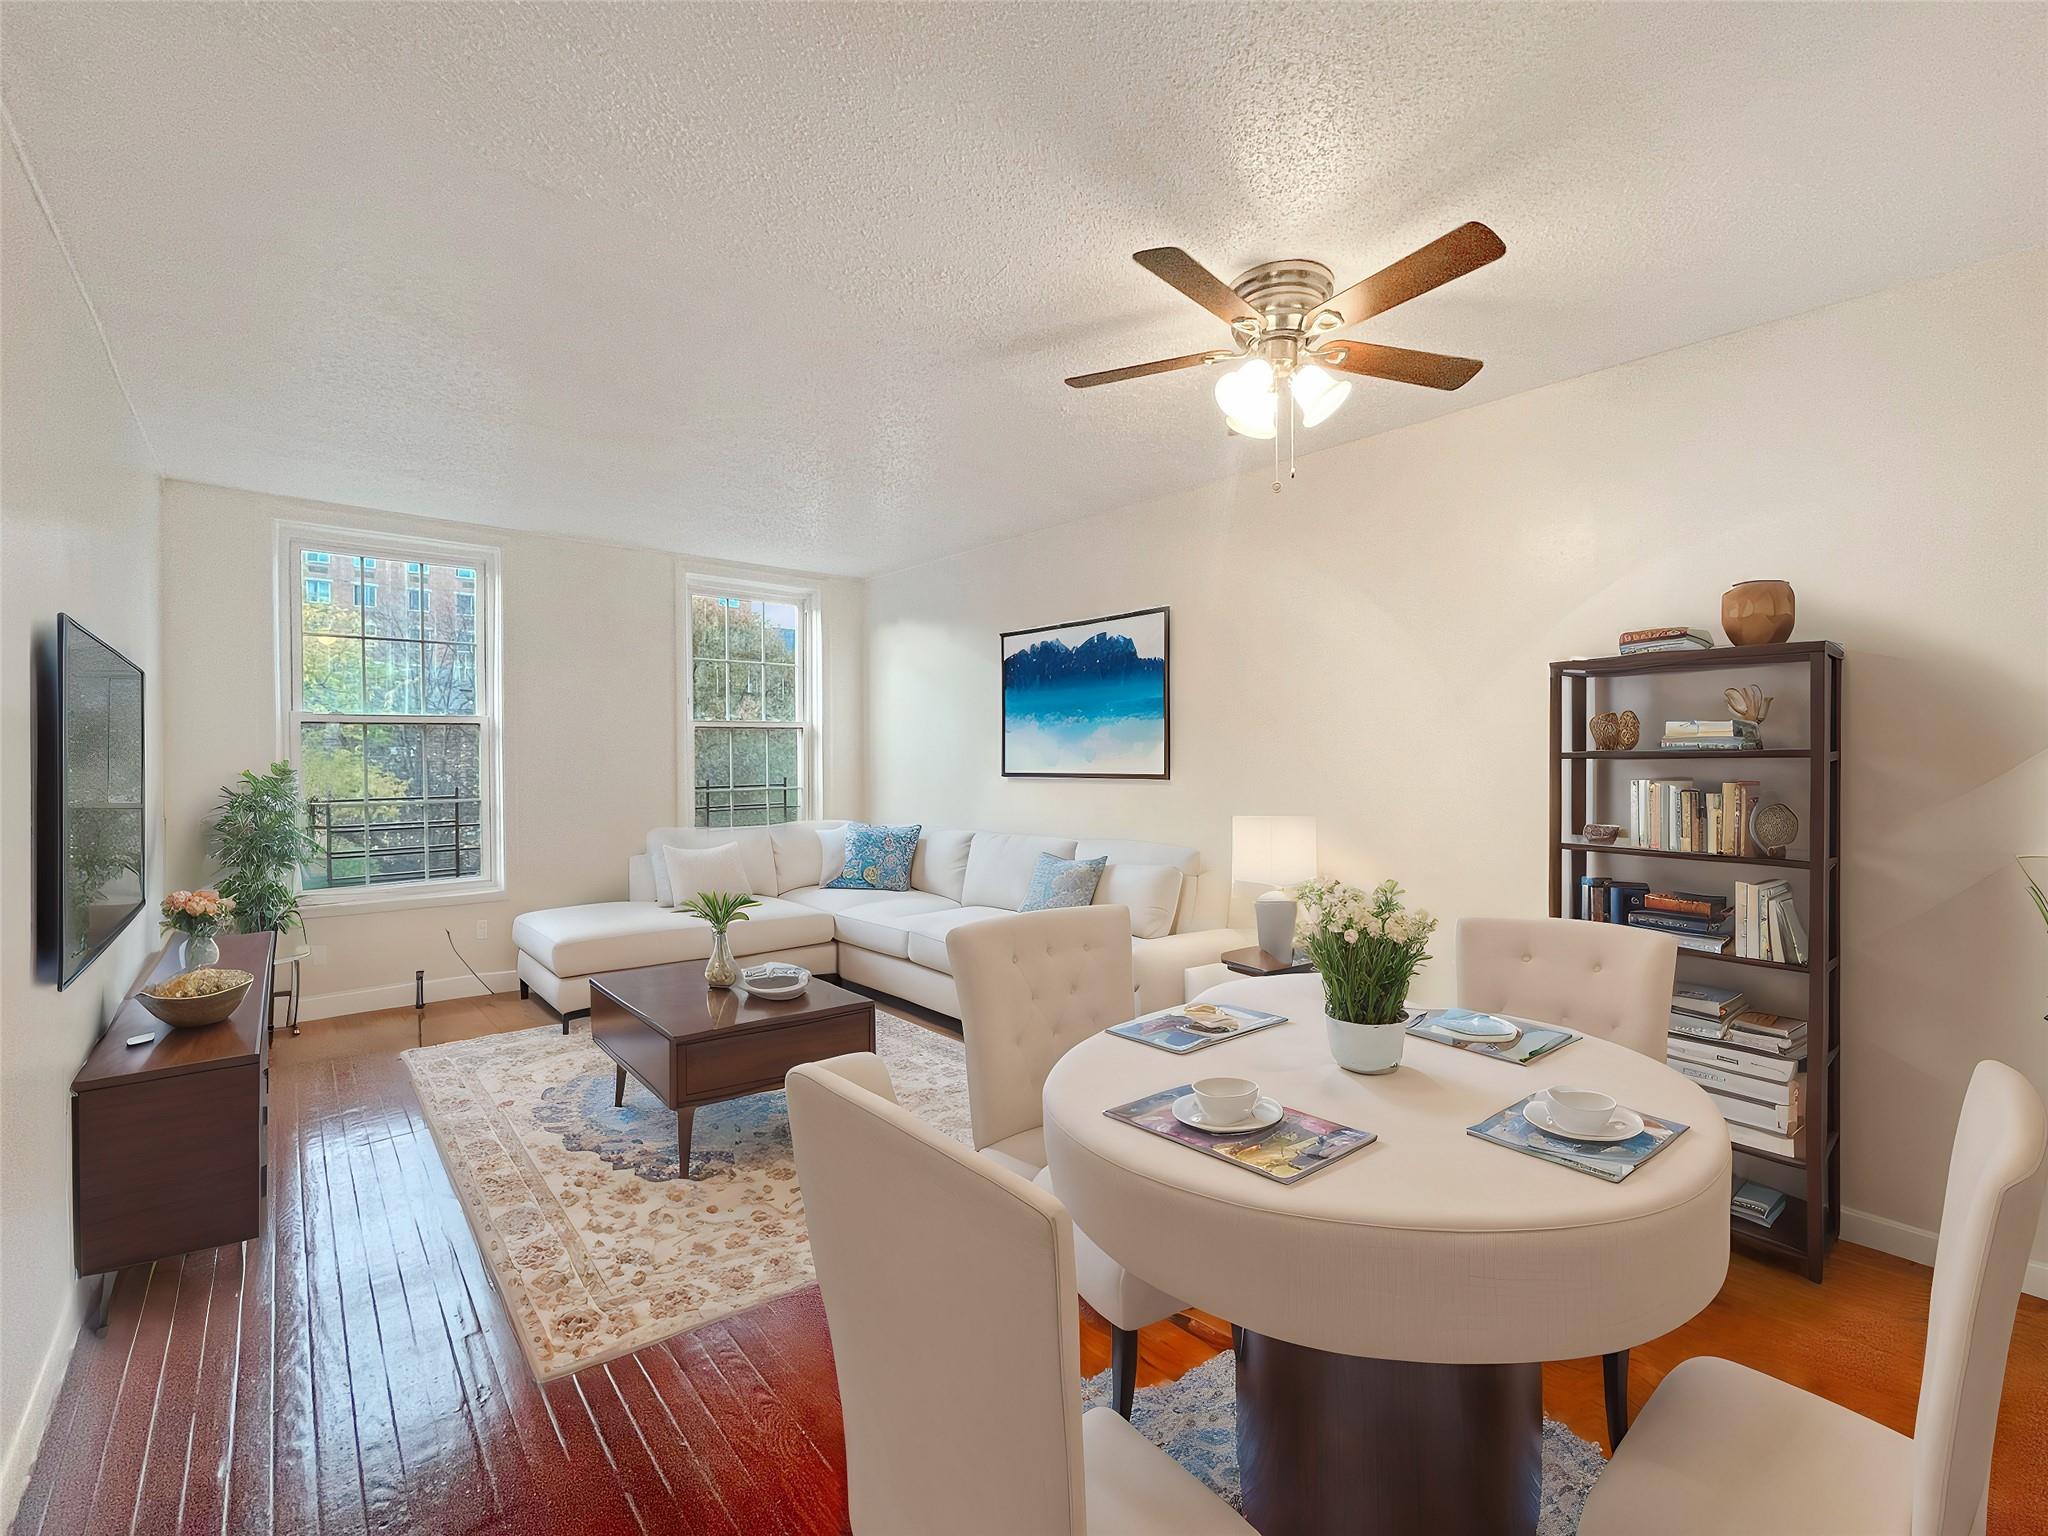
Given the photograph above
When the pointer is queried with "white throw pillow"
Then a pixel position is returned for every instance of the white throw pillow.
(1151, 891)
(693, 871)
(831, 854)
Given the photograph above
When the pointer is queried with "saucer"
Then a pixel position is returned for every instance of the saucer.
(776, 981)
(1623, 1124)
(1480, 1027)
(1264, 1116)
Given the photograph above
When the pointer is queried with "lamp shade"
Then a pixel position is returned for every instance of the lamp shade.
(1273, 850)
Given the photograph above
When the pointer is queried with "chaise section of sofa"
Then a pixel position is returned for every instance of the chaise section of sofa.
(890, 941)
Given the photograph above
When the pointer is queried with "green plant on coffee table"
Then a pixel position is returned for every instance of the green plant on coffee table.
(720, 909)
(258, 841)
(1366, 946)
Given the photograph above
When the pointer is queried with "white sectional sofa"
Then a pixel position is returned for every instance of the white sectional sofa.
(892, 941)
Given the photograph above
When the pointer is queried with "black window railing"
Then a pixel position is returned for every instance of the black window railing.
(748, 805)
(429, 839)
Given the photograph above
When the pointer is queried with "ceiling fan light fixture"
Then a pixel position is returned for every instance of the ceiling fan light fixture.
(1247, 399)
(1318, 394)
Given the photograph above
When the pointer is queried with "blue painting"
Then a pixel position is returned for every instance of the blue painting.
(1087, 700)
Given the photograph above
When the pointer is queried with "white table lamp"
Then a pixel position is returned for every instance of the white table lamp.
(1273, 851)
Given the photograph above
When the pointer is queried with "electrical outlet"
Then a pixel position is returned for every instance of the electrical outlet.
(483, 928)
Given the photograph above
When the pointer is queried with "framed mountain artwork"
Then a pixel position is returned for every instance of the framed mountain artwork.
(1087, 700)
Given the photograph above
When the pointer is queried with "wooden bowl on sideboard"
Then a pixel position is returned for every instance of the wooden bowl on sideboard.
(197, 1012)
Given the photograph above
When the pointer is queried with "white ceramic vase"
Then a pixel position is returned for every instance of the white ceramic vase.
(1367, 1048)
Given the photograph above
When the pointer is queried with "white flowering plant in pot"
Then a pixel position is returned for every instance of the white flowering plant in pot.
(1367, 947)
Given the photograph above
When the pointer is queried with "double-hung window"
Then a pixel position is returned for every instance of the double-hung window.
(752, 718)
(389, 682)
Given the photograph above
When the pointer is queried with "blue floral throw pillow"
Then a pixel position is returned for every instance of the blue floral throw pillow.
(877, 858)
(1058, 882)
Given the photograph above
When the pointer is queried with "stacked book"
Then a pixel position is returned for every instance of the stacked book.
(1758, 1203)
(1767, 925)
(1712, 736)
(1699, 923)
(1604, 899)
(1641, 642)
(1681, 816)
(1751, 1064)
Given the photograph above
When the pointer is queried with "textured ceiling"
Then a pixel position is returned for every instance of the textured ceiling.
(798, 284)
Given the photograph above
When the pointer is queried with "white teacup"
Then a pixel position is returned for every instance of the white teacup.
(1226, 1100)
(1580, 1109)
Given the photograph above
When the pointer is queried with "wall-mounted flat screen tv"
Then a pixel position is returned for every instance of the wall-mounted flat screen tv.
(90, 818)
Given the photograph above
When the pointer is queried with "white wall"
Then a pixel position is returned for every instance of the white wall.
(590, 713)
(78, 534)
(1370, 646)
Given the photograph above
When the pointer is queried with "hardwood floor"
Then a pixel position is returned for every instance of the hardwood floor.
(352, 1371)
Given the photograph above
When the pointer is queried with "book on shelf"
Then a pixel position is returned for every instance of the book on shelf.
(1680, 816)
(1704, 943)
(1693, 997)
(1732, 1056)
(1778, 1119)
(1623, 898)
(1739, 1084)
(1593, 897)
(1672, 922)
(1710, 730)
(1758, 934)
(1756, 1139)
(1693, 1026)
(1768, 1032)
(1686, 904)
(1669, 637)
(1758, 1203)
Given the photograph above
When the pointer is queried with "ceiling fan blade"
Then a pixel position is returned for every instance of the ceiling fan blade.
(1465, 249)
(1432, 370)
(1171, 264)
(1140, 370)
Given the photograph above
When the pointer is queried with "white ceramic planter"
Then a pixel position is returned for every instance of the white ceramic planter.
(1367, 1048)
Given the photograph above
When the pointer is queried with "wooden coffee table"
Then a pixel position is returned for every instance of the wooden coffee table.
(690, 1043)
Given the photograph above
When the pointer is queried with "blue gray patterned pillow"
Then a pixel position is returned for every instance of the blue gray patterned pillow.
(1058, 882)
(877, 858)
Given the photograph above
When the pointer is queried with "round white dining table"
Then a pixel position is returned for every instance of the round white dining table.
(1391, 1311)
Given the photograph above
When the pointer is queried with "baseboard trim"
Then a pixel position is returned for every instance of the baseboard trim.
(1917, 1243)
(42, 1398)
(335, 1005)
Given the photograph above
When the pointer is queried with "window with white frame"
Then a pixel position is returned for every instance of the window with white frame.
(391, 715)
(752, 723)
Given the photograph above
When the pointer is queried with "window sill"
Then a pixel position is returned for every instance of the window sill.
(385, 899)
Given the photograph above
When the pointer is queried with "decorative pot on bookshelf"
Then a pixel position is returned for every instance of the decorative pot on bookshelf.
(1758, 612)
(1367, 948)
(1772, 826)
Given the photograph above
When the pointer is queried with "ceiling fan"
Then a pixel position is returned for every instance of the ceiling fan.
(1284, 316)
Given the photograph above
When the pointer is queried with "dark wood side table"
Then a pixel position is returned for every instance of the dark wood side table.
(689, 1043)
(1256, 962)
(169, 1140)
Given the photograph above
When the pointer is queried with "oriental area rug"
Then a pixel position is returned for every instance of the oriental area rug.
(597, 1246)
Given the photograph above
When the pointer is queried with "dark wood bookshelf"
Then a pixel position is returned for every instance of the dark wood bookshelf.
(1813, 1212)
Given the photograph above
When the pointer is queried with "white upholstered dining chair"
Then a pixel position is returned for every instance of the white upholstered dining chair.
(1720, 1447)
(1031, 988)
(949, 1289)
(1603, 979)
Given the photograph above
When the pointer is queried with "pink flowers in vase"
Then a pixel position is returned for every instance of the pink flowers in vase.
(203, 913)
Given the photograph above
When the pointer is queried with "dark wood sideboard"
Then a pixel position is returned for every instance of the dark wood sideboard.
(169, 1140)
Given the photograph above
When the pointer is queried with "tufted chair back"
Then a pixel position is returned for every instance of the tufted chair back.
(1031, 988)
(921, 1246)
(1602, 979)
(1992, 1207)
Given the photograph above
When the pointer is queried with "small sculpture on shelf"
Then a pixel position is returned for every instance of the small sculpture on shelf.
(1772, 826)
(1614, 733)
(1600, 832)
(1747, 703)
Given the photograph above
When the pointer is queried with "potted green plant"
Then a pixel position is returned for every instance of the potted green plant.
(1367, 947)
(258, 840)
(721, 909)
